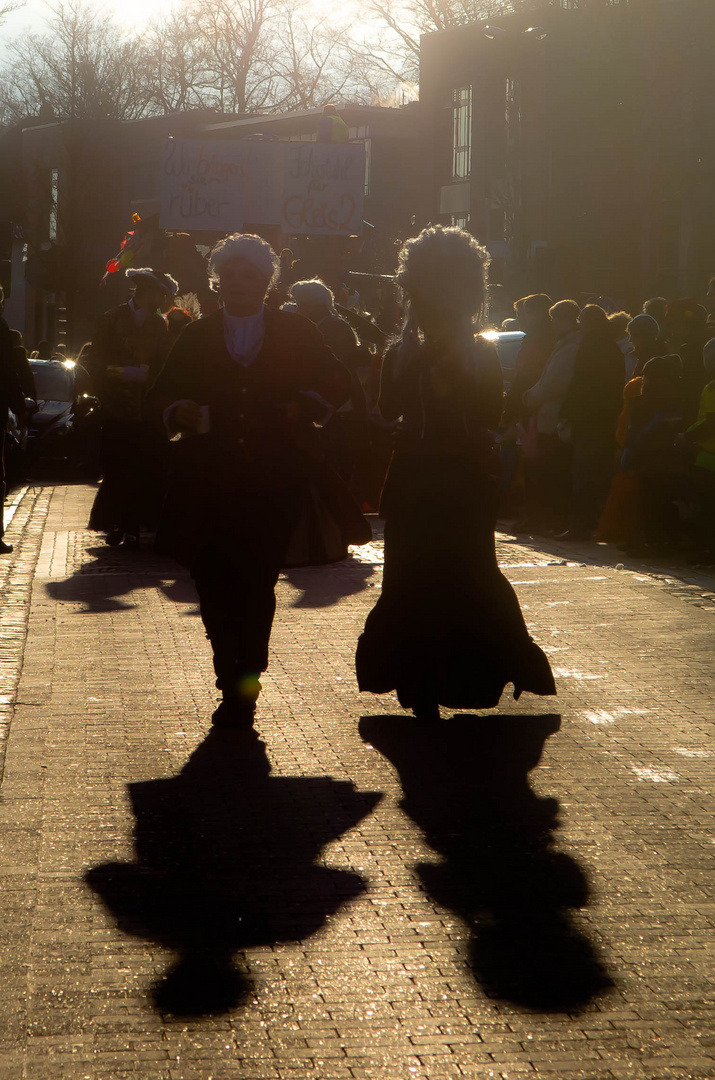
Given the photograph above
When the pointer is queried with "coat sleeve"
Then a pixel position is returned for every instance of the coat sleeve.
(556, 379)
(325, 378)
(176, 380)
(391, 401)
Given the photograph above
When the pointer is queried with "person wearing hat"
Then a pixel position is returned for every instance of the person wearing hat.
(242, 395)
(128, 349)
(687, 326)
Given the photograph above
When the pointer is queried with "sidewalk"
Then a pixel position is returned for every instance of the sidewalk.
(522, 893)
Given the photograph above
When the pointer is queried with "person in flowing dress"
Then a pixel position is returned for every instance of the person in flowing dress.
(447, 628)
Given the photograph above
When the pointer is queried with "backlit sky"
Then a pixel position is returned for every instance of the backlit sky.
(128, 12)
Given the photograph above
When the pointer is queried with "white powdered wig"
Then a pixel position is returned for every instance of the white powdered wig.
(314, 291)
(244, 246)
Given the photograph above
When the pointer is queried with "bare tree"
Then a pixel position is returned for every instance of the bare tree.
(8, 8)
(234, 40)
(176, 64)
(316, 62)
(82, 67)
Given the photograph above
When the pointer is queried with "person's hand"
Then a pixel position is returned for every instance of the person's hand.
(187, 416)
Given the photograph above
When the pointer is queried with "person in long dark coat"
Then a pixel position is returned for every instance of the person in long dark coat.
(249, 490)
(447, 629)
(11, 397)
(592, 407)
(128, 350)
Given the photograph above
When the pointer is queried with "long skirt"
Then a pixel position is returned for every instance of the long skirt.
(447, 628)
(134, 476)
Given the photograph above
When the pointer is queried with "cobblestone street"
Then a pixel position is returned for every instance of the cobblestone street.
(522, 893)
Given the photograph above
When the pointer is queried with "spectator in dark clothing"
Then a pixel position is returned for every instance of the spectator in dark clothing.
(656, 420)
(536, 348)
(644, 332)
(22, 365)
(591, 409)
(345, 434)
(544, 400)
(45, 350)
(11, 398)
(687, 327)
(533, 318)
(655, 307)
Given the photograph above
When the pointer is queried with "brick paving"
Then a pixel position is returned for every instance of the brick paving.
(522, 893)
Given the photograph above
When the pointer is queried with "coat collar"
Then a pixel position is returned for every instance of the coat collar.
(215, 329)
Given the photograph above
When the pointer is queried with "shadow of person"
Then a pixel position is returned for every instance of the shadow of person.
(226, 859)
(115, 573)
(323, 586)
(465, 784)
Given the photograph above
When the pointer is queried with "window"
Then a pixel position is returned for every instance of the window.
(460, 221)
(54, 198)
(368, 159)
(461, 133)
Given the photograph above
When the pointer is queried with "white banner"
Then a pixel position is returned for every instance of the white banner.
(323, 186)
(223, 186)
(202, 185)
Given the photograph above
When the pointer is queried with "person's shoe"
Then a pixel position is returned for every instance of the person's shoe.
(5, 549)
(131, 540)
(115, 537)
(234, 713)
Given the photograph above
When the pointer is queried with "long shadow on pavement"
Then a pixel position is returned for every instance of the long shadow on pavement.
(465, 784)
(323, 586)
(226, 859)
(101, 584)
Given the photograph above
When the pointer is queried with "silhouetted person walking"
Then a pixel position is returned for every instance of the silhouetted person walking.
(128, 349)
(447, 629)
(249, 490)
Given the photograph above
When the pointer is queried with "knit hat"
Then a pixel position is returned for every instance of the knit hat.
(664, 367)
(644, 326)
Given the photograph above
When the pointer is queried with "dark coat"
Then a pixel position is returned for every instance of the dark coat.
(533, 357)
(118, 342)
(11, 396)
(262, 450)
(594, 400)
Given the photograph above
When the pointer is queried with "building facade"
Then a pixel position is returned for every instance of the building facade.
(68, 190)
(578, 142)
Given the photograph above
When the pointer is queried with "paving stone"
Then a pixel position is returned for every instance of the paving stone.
(530, 897)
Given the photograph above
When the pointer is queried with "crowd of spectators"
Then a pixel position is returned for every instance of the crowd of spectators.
(612, 421)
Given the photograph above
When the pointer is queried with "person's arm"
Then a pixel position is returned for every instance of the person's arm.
(555, 381)
(171, 402)
(393, 379)
(326, 383)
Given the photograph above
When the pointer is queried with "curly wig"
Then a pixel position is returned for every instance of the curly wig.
(445, 267)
